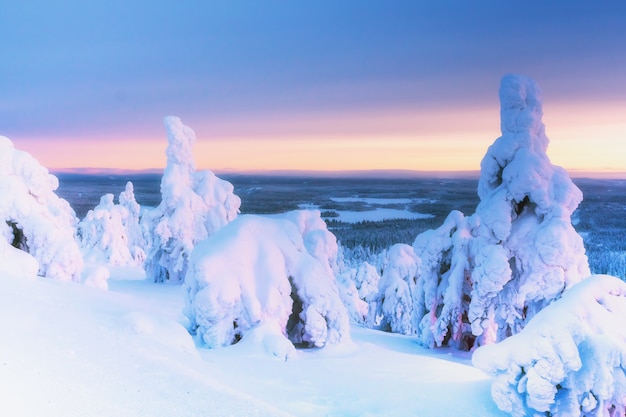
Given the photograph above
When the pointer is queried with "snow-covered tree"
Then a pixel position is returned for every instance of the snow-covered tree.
(194, 205)
(443, 288)
(266, 271)
(33, 218)
(394, 300)
(569, 360)
(486, 275)
(526, 251)
(111, 232)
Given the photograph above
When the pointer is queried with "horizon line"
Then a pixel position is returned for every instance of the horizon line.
(365, 173)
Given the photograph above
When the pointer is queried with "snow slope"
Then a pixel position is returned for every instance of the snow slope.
(71, 350)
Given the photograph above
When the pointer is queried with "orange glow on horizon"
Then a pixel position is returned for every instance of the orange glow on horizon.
(435, 140)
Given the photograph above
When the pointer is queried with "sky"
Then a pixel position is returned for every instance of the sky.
(319, 85)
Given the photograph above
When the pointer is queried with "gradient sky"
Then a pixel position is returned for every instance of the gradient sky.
(325, 85)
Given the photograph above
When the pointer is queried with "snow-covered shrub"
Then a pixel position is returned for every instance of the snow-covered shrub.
(111, 232)
(569, 360)
(259, 270)
(394, 301)
(526, 252)
(443, 288)
(194, 205)
(33, 218)
(358, 288)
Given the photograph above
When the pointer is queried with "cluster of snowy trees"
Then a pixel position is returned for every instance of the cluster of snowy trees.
(514, 273)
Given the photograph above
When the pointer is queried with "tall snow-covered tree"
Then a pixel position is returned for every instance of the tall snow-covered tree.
(518, 252)
(526, 251)
(194, 205)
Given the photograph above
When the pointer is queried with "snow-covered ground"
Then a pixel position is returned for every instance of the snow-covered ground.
(72, 350)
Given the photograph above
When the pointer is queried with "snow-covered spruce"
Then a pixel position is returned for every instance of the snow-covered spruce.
(394, 301)
(267, 272)
(496, 269)
(34, 219)
(443, 290)
(358, 288)
(570, 358)
(526, 251)
(194, 205)
(111, 233)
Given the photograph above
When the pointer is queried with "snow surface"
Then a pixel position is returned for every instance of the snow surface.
(69, 350)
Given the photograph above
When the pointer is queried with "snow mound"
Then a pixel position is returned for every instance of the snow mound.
(259, 270)
(526, 251)
(33, 218)
(194, 206)
(569, 359)
(111, 233)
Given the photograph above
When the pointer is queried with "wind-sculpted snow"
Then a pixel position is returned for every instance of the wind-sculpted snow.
(269, 273)
(569, 360)
(194, 206)
(111, 233)
(33, 218)
(526, 252)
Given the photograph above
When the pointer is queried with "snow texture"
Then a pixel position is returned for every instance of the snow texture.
(526, 251)
(111, 232)
(194, 206)
(570, 358)
(34, 219)
(275, 272)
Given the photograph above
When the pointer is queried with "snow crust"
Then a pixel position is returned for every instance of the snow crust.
(275, 272)
(34, 219)
(194, 205)
(569, 359)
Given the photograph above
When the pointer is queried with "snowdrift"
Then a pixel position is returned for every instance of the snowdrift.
(570, 358)
(266, 271)
(34, 219)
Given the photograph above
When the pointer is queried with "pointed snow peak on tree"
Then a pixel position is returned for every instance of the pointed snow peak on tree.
(180, 139)
(520, 106)
(516, 164)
